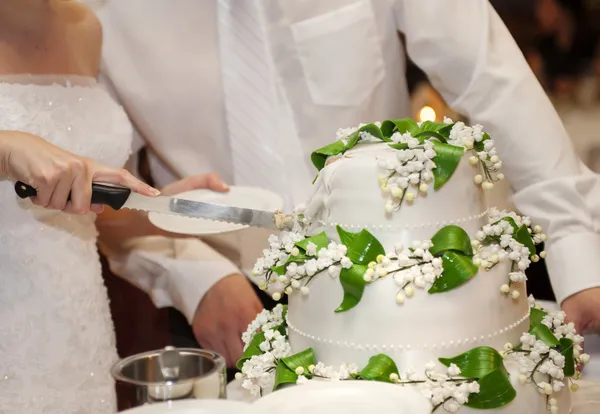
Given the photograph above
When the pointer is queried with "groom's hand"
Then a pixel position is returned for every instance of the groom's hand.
(194, 182)
(583, 309)
(223, 314)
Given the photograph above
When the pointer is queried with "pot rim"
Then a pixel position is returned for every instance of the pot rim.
(117, 368)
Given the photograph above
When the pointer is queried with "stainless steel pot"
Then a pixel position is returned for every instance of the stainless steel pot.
(170, 374)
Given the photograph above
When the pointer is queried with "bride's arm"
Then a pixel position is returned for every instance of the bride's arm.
(57, 174)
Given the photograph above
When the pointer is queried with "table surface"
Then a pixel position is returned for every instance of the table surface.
(584, 401)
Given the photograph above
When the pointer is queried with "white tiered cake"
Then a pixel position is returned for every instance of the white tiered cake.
(395, 263)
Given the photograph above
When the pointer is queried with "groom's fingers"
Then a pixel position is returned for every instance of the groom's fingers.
(124, 178)
(193, 182)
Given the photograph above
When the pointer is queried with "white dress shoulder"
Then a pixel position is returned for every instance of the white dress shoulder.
(57, 339)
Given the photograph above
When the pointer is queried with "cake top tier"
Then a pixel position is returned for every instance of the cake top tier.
(427, 152)
(372, 175)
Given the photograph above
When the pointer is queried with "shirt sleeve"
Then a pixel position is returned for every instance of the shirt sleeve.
(473, 61)
(173, 272)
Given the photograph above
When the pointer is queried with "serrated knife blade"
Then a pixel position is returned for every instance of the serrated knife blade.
(202, 210)
(119, 197)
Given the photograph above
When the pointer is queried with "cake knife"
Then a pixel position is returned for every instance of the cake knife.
(119, 197)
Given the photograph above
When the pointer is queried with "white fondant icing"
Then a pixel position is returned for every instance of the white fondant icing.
(427, 326)
(471, 342)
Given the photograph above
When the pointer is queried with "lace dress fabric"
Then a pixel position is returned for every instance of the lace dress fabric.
(56, 335)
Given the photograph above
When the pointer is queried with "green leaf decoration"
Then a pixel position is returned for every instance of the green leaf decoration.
(373, 130)
(352, 140)
(320, 240)
(510, 220)
(353, 283)
(477, 362)
(379, 368)
(451, 238)
(302, 359)
(485, 364)
(565, 346)
(364, 248)
(495, 391)
(400, 146)
(346, 237)
(283, 375)
(252, 349)
(523, 236)
(458, 269)
(479, 145)
(431, 134)
(445, 131)
(446, 160)
(401, 125)
(543, 333)
(319, 157)
(281, 269)
(283, 327)
(285, 372)
(431, 126)
(536, 316)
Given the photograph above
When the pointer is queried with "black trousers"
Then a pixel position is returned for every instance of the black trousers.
(183, 337)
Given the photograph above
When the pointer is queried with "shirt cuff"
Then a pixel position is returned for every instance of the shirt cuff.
(573, 263)
(167, 271)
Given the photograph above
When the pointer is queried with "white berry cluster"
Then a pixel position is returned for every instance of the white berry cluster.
(416, 268)
(495, 243)
(540, 364)
(484, 152)
(410, 174)
(265, 320)
(342, 134)
(345, 372)
(543, 365)
(444, 389)
(258, 373)
(280, 249)
(299, 275)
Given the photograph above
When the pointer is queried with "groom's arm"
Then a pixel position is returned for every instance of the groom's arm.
(471, 58)
(185, 273)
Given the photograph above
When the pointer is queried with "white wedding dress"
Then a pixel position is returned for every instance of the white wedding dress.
(56, 334)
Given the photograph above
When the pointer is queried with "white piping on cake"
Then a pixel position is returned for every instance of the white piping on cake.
(324, 223)
(401, 347)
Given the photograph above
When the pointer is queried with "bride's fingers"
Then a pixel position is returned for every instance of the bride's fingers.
(97, 208)
(60, 195)
(81, 194)
(125, 179)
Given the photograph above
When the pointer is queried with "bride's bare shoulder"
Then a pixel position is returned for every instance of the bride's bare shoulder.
(82, 18)
(85, 27)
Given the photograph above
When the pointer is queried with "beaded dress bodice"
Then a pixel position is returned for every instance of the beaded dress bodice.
(56, 334)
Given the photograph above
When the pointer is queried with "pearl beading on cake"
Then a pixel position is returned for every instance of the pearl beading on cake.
(407, 347)
(439, 224)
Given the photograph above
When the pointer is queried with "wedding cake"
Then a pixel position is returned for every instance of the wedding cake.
(397, 271)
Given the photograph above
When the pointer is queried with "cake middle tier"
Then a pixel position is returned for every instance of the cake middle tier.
(425, 327)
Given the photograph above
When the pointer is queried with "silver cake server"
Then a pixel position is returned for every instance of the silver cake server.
(119, 197)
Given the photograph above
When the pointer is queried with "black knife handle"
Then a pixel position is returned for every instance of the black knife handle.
(114, 197)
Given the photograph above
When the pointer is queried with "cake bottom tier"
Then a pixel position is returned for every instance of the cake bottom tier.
(527, 401)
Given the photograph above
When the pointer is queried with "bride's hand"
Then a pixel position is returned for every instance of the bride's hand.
(56, 173)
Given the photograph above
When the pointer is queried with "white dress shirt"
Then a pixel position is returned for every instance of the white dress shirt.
(335, 63)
